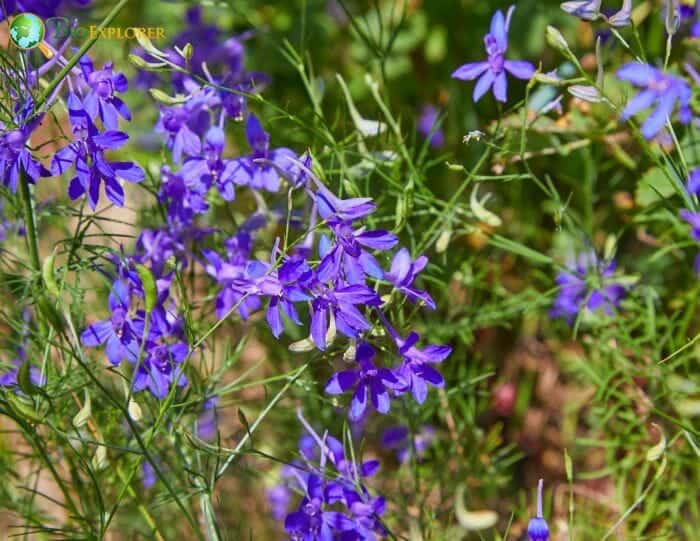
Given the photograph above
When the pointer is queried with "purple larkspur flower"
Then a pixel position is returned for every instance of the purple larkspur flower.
(693, 218)
(372, 385)
(237, 273)
(427, 126)
(403, 273)
(208, 419)
(209, 168)
(416, 370)
(289, 286)
(587, 284)
(157, 247)
(121, 333)
(15, 155)
(330, 206)
(365, 512)
(9, 378)
(492, 73)
(184, 197)
(349, 254)
(148, 474)
(399, 439)
(340, 301)
(359, 512)
(693, 183)
(180, 138)
(160, 368)
(263, 167)
(101, 100)
(278, 498)
(537, 529)
(86, 155)
(660, 91)
(312, 521)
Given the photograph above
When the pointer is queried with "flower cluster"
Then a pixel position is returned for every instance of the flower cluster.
(143, 329)
(335, 502)
(92, 102)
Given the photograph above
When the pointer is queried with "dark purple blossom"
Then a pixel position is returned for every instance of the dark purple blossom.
(86, 155)
(161, 368)
(184, 197)
(121, 333)
(210, 169)
(330, 206)
(693, 218)
(236, 274)
(344, 491)
(312, 521)
(180, 138)
(660, 91)
(492, 73)
(279, 497)
(42, 8)
(263, 167)
(349, 254)
(399, 439)
(588, 284)
(148, 474)
(416, 370)
(9, 378)
(101, 101)
(427, 126)
(340, 302)
(208, 419)
(15, 156)
(403, 273)
(371, 384)
(289, 286)
(693, 184)
(167, 245)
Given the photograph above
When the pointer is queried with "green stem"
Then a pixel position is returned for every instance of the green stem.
(29, 220)
(31, 236)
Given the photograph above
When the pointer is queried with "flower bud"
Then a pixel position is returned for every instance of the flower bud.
(556, 40)
(588, 10)
(537, 528)
(622, 17)
(672, 20)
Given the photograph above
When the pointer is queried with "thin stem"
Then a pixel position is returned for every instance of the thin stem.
(29, 220)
